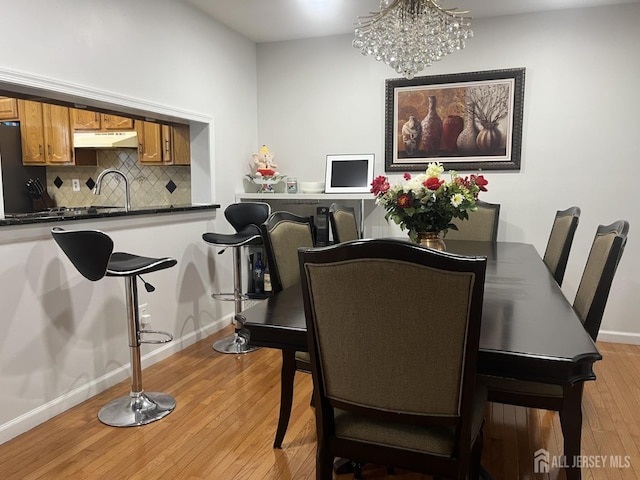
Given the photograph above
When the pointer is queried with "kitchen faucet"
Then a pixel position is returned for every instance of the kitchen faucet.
(96, 189)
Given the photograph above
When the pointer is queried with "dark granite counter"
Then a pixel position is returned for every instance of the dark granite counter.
(84, 213)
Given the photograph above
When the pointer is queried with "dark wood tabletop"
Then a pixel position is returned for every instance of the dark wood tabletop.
(529, 329)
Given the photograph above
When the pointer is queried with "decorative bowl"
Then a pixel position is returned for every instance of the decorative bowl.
(311, 187)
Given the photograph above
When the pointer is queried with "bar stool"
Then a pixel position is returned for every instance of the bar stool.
(91, 252)
(245, 218)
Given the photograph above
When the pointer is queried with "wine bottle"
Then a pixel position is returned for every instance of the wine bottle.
(258, 274)
(267, 280)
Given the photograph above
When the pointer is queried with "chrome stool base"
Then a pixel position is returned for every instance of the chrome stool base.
(137, 409)
(235, 344)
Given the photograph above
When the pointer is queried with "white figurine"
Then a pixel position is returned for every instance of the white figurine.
(263, 160)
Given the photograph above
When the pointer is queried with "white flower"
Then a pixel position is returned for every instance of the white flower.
(435, 169)
(414, 185)
(456, 199)
(396, 188)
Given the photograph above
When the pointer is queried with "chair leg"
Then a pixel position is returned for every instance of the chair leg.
(357, 470)
(239, 342)
(139, 408)
(324, 463)
(287, 377)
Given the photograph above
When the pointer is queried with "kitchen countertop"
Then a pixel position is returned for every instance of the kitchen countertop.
(83, 213)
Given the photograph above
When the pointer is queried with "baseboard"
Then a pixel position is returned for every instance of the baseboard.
(619, 337)
(41, 414)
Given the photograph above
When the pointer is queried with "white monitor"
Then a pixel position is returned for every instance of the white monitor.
(349, 173)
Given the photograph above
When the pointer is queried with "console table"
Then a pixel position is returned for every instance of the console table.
(310, 198)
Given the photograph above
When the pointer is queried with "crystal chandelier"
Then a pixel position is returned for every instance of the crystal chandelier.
(409, 35)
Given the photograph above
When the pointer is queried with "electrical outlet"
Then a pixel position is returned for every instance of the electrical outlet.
(144, 316)
(75, 184)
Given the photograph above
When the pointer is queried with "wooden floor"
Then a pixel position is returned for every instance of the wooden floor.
(226, 414)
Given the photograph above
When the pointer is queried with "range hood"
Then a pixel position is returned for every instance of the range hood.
(105, 139)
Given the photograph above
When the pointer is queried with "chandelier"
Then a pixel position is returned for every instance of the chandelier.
(409, 35)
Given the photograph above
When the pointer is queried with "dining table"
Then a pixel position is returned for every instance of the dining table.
(529, 332)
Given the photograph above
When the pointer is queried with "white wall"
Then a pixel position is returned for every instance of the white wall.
(63, 338)
(580, 125)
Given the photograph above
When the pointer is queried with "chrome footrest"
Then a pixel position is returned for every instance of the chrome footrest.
(168, 336)
(229, 297)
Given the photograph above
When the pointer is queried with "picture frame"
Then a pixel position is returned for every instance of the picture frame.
(349, 173)
(478, 125)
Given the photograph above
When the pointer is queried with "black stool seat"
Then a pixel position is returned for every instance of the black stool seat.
(125, 264)
(249, 236)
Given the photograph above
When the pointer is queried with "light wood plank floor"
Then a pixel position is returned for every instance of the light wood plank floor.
(223, 427)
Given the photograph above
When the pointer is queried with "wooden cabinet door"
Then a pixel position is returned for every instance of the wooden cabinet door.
(57, 134)
(8, 108)
(84, 119)
(115, 122)
(181, 144)
(149, 142)
(167, 154)
(31, 132)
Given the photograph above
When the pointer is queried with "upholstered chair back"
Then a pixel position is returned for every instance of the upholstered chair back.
(563, 230)
(283, 233)
(599, 271)
(383, 347)
(482, 224)
(343, 223)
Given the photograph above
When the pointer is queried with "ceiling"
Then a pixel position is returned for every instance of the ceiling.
(276, 20)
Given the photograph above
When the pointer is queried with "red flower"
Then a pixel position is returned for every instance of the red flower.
(380, 185)
(432, 183)
(404, 200)
(407, 176)
(481, 182)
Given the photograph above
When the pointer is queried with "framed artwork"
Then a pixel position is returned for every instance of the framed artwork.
(349, 173)
(466, 121)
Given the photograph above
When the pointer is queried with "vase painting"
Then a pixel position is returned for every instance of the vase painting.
(411, 136)
(467, 140)
(431, 129)
(489, 138)
(452, 127)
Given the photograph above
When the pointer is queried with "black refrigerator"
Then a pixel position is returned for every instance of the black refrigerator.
(14, 174)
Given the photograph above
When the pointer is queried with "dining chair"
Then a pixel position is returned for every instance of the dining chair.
(563, 230)
(343, 223)
(383, 395)
(482, 224)
(590, 300)
(283, 233)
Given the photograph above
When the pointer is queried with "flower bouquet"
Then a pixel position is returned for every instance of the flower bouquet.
(427, 203)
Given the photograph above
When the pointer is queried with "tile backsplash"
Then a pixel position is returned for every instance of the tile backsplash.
(150, 186)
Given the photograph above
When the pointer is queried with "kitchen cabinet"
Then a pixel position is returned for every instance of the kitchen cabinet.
(162, 144)
(181, 144)
(8, 109)
(150, 147)
(45, 133)
(88, 120)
